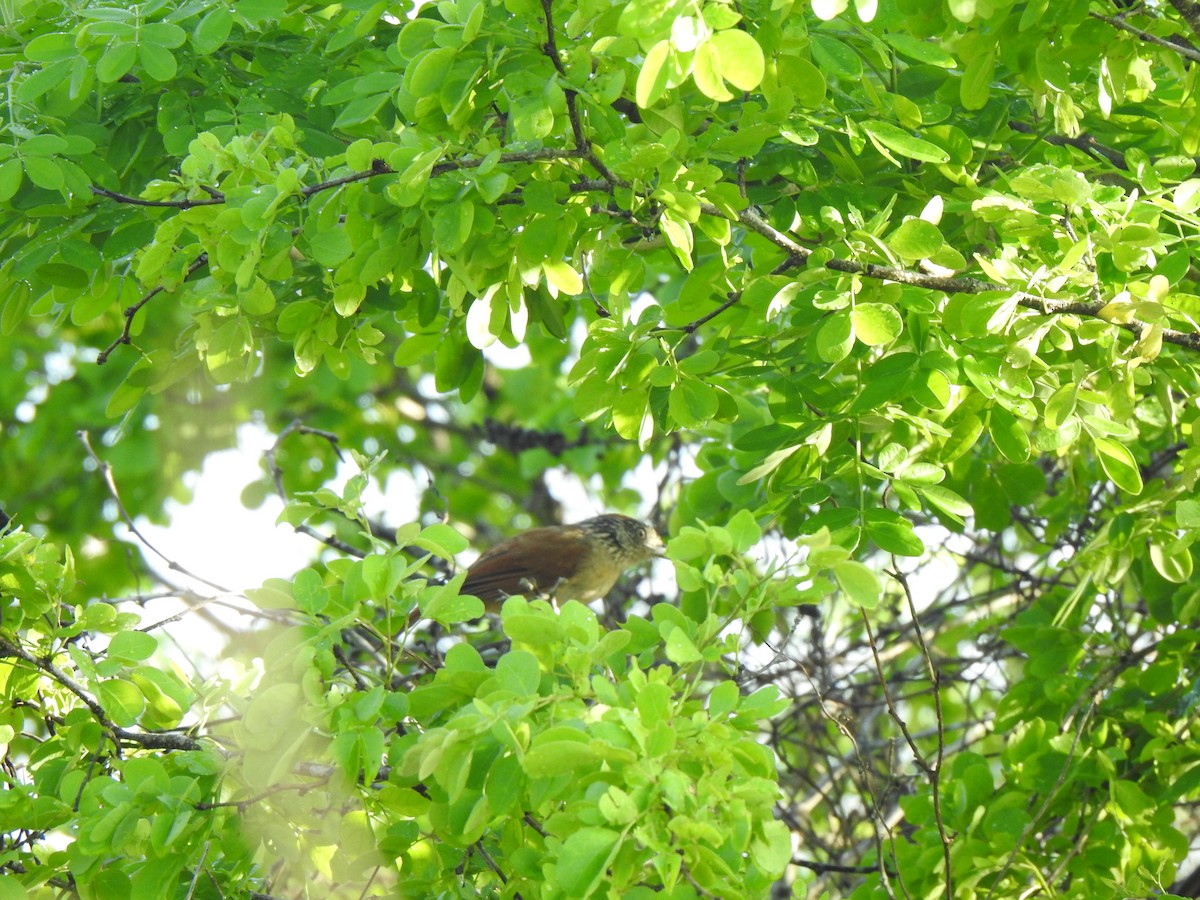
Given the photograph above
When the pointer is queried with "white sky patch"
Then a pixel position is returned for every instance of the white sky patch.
(218, 538)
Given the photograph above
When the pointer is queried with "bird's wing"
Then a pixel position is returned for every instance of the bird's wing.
(534, 561)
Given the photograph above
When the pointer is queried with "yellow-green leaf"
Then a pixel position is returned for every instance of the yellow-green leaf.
(742, 63)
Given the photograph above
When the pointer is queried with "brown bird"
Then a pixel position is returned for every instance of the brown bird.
(570, 562)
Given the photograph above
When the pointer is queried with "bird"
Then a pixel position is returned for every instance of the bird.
(568, 562)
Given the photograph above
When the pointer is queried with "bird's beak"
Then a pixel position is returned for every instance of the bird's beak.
(655, 544)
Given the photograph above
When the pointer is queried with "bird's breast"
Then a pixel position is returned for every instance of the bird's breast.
(597, 572)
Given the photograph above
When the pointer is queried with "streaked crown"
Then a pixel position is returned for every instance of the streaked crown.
(629, 540)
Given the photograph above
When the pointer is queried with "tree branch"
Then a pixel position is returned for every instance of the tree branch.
(149, 740)
(799, 254)
(213, 199)
(131, 311)
(1085, 142)
(550, 48)
(752, 220)
(1187, 51)
(378, 167)
(1190, 10)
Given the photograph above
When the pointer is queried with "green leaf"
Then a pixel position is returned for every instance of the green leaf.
(450, 608)
(116, 61)
(212, 31)
(915, 239)
(1061, 405)
(892, 533)
(257, 299)
(52, 46)
(922, 51)
(1118, 464)
(256, 11)
(43, 81)
(744, 530)
(723, 699)
(859, 583)
(876, 323)
(678, 232)
(652, 79)
(964, 436)
(442, 540)
(10, 178)
(773, 850)
(551, 758)
(680, 648)
(132, 646)
(692, 402)
(706, 72)
(164, 34)
(654, 703)
(835, 337)
(563, 277)
(1009, 435)
(945, 501)
(45, 173)
(1187, 513)
(452, 225)
(424, 76)
(157, 62)
(826, 10)
(363, 109)
(741, 58)
(900, 141)
(121, 701)
(584, 858)
(519, 672)
(648, 19)
(330, 247)
(1173, 560)
(975, 86)
(485, 320)
(834, 57)
(274, 594)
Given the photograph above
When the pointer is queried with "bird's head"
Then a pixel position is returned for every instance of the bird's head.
(629, 540)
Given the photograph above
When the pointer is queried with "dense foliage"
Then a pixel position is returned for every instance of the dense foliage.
(886, 314)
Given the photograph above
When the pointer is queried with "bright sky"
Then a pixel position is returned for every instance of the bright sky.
(216, 537)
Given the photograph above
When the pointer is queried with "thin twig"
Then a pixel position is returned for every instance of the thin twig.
(196, 875)
(296, 427)
(130, 311)
(187, 203)
(110, 481)
(582, 144)
(935, 775)
(1084, 142)
(242, 805)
